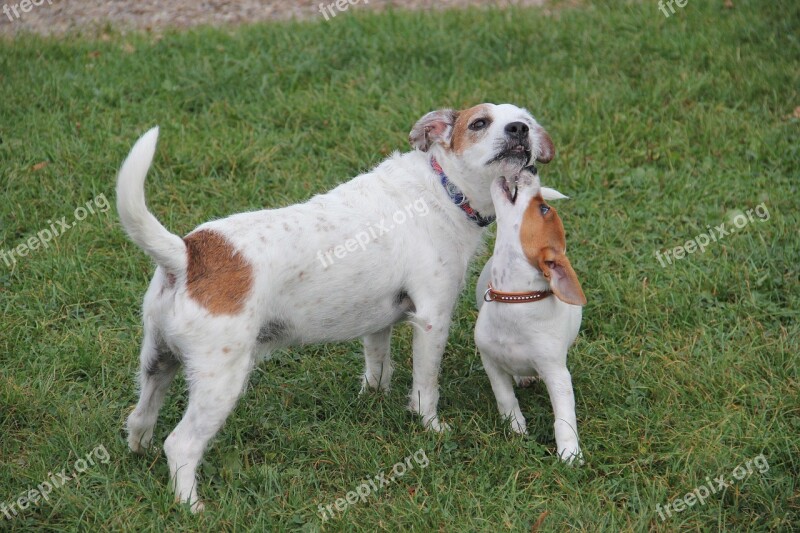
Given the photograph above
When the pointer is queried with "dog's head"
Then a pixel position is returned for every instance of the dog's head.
(476, 145)
(522, 209)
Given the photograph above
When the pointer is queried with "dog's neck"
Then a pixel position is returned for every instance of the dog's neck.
(459, 197)
(511, 270)
(474, 186)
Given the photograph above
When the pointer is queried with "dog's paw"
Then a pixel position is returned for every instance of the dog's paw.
(136, 447)
(436, 426)
(140, 432)
(519, 427)
(197, 507)
(194, 504)
(368, 386)
(140, 441)
(571, 455)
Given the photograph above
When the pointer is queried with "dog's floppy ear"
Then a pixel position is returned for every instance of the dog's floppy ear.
(436, 126)
(546, 151)
(544, 245)
(563, 280)
(552, 194)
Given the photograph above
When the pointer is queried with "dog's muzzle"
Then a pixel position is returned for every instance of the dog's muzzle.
(516, 146)
(511, 185)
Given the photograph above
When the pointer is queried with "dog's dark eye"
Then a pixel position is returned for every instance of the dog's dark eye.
(478, 124)
(544, 208)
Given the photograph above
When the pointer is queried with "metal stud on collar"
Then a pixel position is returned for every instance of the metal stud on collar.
(492, 295)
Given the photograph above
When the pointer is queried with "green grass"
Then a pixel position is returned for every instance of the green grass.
(663, 127)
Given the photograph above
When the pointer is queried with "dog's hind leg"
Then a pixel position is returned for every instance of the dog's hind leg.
(216, 380)
(158, 366)
(507, 402)
(379, 368)
(429, 344)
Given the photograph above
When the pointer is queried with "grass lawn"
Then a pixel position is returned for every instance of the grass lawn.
(665, 129)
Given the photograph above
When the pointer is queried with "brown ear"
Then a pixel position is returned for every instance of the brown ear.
(547, 150)
(436, 126)
(564, 281)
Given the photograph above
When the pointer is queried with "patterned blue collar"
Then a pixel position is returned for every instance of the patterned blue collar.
(458, 197)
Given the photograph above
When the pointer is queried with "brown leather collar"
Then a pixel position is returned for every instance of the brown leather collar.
(492, 295)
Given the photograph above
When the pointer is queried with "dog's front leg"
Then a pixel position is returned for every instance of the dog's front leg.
(430, 339)
(559, 387)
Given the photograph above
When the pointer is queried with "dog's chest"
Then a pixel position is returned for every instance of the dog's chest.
(523, 337)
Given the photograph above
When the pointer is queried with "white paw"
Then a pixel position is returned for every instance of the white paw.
(367, 386)
(519, 426)
(198, 507)
(195, 504)
(139, 442)
(437, 427)
(571, 454)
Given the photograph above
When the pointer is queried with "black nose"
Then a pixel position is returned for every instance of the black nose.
(518, 130)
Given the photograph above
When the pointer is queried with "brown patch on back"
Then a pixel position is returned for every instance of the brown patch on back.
(218, 276)
(462, 135)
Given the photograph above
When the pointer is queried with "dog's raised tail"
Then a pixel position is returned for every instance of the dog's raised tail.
(167, 249)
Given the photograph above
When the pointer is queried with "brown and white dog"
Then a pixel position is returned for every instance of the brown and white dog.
(236, 289)
(530, 306)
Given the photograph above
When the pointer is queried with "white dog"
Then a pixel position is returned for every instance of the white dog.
(239, 288)
(522, 330)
